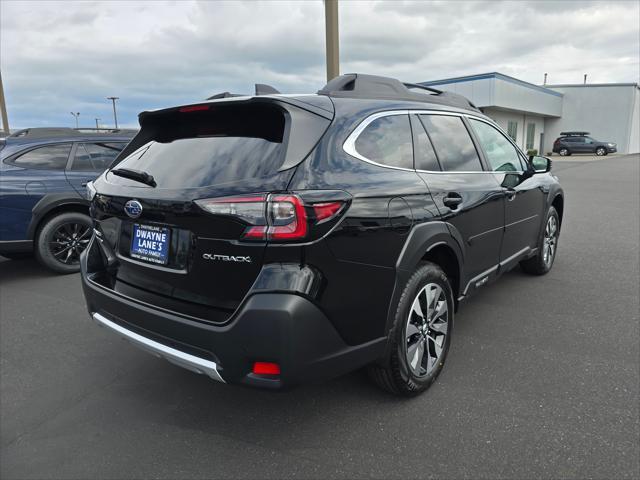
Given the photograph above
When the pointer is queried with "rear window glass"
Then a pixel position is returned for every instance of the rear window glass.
(198, 149)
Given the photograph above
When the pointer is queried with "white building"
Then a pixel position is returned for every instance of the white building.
(535, 115)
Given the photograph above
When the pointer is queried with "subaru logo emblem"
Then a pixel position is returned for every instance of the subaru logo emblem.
(133, 208)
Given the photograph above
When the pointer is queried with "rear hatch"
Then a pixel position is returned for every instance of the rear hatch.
(174, 239)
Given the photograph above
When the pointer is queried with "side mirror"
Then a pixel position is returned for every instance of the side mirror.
(540, 164)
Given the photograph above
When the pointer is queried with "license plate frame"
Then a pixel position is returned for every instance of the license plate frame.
(150, 243)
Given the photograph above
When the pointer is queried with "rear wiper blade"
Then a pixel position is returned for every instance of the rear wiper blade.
(137, 175)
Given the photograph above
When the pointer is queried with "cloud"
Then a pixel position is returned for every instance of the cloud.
(62, 56)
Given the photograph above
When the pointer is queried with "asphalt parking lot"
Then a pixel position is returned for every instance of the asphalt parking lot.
(542, 380)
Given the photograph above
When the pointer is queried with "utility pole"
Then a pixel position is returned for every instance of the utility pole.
(97, 124)
(545, 79)
(585, 79)
(3, 108)
(332, 41)
(115, 116)
(76, 115)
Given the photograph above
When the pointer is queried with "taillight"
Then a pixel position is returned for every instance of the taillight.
(287, 218)
(273, 217)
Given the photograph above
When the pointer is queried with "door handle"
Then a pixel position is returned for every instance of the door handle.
(452, 200)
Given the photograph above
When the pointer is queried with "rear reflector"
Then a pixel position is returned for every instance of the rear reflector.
(325, 211)
(266, 368)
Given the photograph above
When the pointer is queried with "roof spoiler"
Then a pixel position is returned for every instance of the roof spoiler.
(359, 85)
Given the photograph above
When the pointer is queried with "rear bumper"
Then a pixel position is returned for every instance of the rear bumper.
(269, 327)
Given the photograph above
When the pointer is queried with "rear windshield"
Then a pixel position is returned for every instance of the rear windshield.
(197, 149)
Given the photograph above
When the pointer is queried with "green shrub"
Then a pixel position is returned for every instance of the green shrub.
(532, 152)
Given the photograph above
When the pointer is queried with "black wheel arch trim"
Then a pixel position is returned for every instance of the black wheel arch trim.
(50, 202)
(422, 239)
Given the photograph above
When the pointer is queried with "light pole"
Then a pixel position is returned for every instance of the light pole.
(331, 32)
(97, 124)
(3, 109)
(76, 115)
(115, 116)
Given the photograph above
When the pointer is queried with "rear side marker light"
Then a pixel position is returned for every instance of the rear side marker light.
(266, 368)
(194, 108)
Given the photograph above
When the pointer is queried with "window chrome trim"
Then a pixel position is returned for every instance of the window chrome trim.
(349, 145)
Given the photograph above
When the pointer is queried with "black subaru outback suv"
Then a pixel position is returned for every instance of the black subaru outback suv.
(270, 240)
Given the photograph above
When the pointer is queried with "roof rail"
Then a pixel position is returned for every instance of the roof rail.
(358, 85)
(46, 132)
(573, 134)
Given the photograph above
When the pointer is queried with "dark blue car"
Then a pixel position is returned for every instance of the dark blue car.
(43, 177)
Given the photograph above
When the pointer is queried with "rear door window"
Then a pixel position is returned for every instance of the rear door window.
(387, 140)
(49, 157)
(95, 157)
(425, 155)
(452, 143)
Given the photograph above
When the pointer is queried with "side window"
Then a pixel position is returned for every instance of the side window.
(531, 133)
(425, 155)
(452, 143)
(51, 157)
(95, 157)
(499, 152)
(387, 140)
(512, 130)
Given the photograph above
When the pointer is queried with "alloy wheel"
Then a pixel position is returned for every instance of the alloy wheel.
(550, 240)
(426, 329)
(68, 241)
(600, 152)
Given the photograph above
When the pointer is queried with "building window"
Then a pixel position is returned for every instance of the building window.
(512, 130)
(531, 132)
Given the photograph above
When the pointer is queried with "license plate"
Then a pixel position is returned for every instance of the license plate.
(150, 243)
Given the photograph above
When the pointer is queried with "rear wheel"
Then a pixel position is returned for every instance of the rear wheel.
(600, 151)
(62, 239)
(564, 152)
(420, 337)
(547, 246)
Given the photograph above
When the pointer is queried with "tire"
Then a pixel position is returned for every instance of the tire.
(541, 263)
(61, 240)
(564, 152)
(404, 371)
(601, 151)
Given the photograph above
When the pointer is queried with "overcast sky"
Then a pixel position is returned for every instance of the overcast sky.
(62, 56)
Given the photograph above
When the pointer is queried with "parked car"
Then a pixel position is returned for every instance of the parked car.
(43, 177)
(580, 142)
(271, 240)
